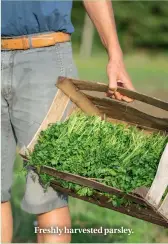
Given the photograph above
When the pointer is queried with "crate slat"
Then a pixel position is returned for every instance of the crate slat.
(160, 182)
(77, 97)
(120, 111)
(90, 183)
(95, 86)
(132, 211)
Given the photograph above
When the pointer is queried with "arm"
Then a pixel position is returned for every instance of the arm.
(101, 14)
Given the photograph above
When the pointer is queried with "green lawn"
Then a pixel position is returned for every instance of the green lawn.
(149, 74)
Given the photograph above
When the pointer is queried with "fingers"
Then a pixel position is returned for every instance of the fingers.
(117, 95)
(118, 78)
(114, 95)
(112, 76)
(112, 82)
(127, 99)
(112, 92)
(128, 85)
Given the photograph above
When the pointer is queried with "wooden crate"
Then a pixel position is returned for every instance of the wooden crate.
(147, 204)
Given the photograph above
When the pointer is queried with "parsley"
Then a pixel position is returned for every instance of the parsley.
(118, 155)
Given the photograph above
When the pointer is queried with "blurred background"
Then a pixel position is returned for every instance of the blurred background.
(143, 33)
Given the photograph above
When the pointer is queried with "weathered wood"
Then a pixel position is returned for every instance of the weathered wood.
(143, 214)
(96, 86)
(141, 191)
(146, 130)
(155, 123)
(77, 97)
(163, 209)
(160, 182)
(120, 111)
(85, 182)
(90, 183)
(106, 200)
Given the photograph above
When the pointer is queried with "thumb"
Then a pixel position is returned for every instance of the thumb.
(112, 76)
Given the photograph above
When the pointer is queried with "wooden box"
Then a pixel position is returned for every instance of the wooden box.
(89, 97)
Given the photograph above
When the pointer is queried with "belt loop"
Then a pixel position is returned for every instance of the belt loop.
(30, 41)
(25, 43)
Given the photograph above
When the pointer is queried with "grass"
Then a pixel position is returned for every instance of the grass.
(149, 74)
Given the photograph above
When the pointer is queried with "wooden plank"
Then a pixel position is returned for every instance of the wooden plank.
(141, 191)
(160, 182)
(67, 111)
(106, 200)
(143, 122)
(120, 111)
(146, 130)
(96, 86)
(55, 113)
(143, 214)
(86, 182)
(90, 183)
(163, 209)
(77, 97)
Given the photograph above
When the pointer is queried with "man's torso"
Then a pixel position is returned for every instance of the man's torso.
(30, 17)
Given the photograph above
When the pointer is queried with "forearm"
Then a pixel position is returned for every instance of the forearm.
(101, 14)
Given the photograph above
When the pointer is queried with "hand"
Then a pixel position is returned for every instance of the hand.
(118, 76)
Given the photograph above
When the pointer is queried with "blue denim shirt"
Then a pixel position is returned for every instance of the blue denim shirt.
(30, 17)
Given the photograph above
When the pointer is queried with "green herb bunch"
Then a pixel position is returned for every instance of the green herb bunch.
(114, 154)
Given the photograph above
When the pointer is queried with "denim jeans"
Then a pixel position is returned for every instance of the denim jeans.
(28, 89)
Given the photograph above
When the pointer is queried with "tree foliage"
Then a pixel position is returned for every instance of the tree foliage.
(140, 24)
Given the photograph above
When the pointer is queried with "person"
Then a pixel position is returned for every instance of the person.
(36, 49)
